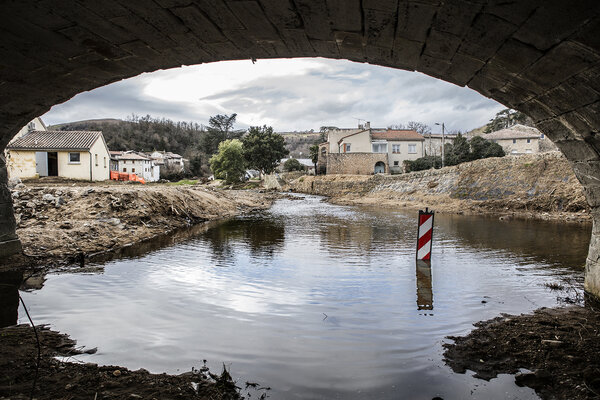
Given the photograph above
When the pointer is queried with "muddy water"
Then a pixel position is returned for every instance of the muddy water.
(318, 301)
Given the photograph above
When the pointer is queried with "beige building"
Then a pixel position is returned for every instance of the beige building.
(35, 124)
(369, 151)
(68, 154)
(518, 139)
(433, 143)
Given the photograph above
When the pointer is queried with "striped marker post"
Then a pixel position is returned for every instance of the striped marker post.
(425, 235)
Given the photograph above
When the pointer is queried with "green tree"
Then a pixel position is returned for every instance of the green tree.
(263, 148)
(219, 129)
(292, 165)
(457, 152)
(507, 118)
(314, 155)
(483, 148)
(423, 163)
(228, 163)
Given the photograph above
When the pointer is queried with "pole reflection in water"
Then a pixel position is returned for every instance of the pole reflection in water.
(9, 297)
(424, 286)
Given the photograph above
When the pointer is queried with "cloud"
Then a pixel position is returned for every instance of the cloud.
(296, 94)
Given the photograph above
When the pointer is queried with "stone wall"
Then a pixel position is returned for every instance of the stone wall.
(355, 163)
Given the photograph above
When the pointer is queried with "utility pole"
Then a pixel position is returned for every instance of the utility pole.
(443, 141)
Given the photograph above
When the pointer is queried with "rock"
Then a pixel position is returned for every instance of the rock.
(91, 190)
(19, 186)
(66, 225)
(48, 198)
(116, 372)
(30, 204)
(135, 396)
(114, 221)
(13, 182)
(59, 201)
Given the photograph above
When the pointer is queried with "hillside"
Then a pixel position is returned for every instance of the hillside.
(298, 143)
(143, 134)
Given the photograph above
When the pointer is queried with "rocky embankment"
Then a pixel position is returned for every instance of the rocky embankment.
(537, 186)
(58, 223)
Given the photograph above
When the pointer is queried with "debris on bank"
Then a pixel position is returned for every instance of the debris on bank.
(58, 223)
(558, 347)
(72, 380)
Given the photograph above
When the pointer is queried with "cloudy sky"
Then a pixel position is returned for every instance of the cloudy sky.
(299, 94)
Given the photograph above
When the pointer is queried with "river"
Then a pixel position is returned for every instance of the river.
(318, 301)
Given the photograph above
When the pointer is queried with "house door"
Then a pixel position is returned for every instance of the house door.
(52, 163)
(380, 167)
(41, 163)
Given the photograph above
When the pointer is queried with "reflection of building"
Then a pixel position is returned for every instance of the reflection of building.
(424, 286)
(368, 150)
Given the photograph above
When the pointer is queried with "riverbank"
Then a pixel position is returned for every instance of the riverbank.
(537, 186)
(56, 379)
(558, 346)
(67, 223)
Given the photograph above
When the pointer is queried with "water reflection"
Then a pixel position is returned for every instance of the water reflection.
(9, 297)
(262, 235)
(424, 286)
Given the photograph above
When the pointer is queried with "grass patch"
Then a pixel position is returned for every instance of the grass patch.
(184, 182)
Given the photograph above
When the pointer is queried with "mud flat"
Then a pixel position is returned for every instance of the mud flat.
(69, 223)
(558, 350)
(539, 186)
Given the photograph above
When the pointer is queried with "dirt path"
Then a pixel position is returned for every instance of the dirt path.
(67, 223)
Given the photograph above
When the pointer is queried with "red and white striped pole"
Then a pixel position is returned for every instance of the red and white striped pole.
(425, 235)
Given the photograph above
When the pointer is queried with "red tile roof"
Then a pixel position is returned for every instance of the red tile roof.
(404, 134)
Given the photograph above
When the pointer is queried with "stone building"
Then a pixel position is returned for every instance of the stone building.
(518, 139)
(366, 150)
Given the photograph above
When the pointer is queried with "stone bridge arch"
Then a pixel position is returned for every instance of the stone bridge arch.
(537, 56)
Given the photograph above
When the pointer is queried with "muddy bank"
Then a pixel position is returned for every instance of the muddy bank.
(72, 380)
(539, 186)
(66, 223)
(559, 347)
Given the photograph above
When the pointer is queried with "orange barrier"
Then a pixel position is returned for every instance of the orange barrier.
(124, 176)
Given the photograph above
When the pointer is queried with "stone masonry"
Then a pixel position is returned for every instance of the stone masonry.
(541, 57)
(354, 163)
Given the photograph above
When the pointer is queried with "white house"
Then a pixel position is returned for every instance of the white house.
(68, 154)
(518, 139)
(134, 163)
(167, 159)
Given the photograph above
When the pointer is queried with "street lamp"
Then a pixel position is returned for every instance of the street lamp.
(443, 141)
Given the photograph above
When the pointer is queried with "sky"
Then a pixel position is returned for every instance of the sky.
(287, 94)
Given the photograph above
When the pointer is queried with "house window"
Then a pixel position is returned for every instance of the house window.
(379, 147)
(104, 162)
(412, 149)
(132, 169)
(396, 148)
(396, 163)
(542, 136)
(514, 141)
(346, 147)
(528, 140)
(96, 159)
(124, 169)
(74, 158)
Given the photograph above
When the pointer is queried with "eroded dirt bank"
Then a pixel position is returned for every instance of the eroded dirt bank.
(61, 223)
(69, 380)
(532, 186)
(559, 347)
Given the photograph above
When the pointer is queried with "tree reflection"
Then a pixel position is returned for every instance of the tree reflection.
(263, 236)
(424, 286)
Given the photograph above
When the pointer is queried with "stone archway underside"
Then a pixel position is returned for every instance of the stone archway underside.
(541, 57)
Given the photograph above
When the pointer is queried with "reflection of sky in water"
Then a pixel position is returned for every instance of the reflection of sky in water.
(316, 300)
